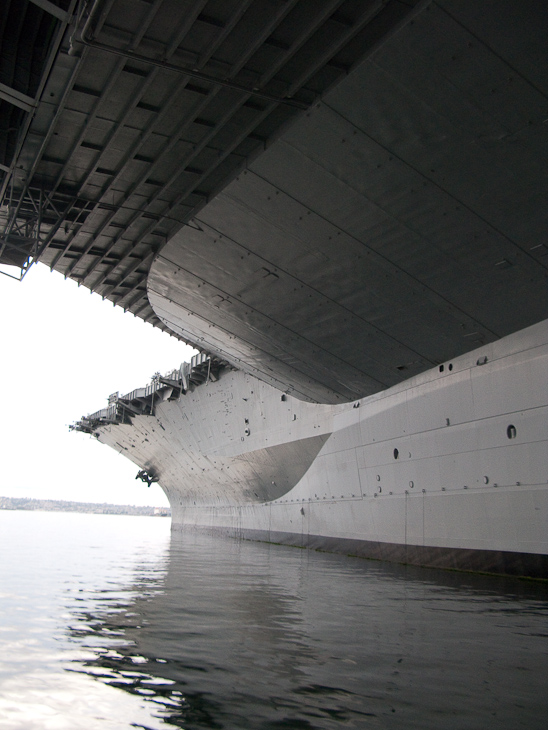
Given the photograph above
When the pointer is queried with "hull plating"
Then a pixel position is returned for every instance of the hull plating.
(448, 468)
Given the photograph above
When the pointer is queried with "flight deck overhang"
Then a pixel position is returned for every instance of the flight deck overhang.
(397, 224)
(142, 111)
(331, 194)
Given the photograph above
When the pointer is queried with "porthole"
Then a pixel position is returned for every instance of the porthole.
(441, 368)
(511, 431)
(450, 366)
(396, 453)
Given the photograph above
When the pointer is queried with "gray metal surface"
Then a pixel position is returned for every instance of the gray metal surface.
(149, 109)
(447, 468)
(399, 223)
(336, 195)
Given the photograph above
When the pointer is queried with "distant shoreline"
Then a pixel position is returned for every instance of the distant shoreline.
(59, 505)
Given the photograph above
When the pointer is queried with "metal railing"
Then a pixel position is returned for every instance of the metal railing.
(122, 409)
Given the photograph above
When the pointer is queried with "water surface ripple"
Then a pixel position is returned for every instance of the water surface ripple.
(110, 622)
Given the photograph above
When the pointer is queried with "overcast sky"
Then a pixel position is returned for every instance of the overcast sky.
(63, 350)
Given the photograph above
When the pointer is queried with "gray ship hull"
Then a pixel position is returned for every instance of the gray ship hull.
(446, 469)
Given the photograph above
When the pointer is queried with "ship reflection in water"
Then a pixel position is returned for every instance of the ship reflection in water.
(244, 635)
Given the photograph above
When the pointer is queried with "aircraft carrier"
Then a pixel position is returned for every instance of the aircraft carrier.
(342, 205)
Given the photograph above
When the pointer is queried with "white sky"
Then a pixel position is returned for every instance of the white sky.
(62, 351)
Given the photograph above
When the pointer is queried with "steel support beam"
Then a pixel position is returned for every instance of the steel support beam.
(17, 98)
(52, 9)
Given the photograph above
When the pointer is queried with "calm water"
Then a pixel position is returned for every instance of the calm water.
(109, 622)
